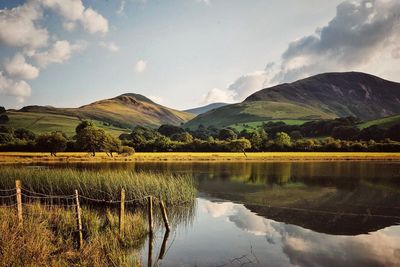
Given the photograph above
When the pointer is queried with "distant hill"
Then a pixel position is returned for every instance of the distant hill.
(116, 114)
(385, 123)
(204, 109)
(322, 96)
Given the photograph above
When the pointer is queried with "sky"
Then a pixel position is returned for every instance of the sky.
(186, 53)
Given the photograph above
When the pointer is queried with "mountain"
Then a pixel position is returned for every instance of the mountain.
(204, 109)
(121, 112)
(322, 96)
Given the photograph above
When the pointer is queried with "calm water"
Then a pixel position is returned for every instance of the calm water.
(286, 214)
(282, 214)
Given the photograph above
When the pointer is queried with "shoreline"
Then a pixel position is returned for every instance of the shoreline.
(82, 157)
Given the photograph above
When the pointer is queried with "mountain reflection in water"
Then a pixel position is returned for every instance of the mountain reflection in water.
(227, 233)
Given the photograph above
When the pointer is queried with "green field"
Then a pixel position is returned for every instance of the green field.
(251, 126)
(386, 122)
(257, 111)
(43, 122)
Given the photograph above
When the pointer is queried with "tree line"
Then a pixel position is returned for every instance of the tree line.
(340, 134)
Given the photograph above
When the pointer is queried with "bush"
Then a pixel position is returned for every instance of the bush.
(126, 151)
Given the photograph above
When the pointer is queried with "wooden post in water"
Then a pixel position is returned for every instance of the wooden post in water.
(150, 213)
(19, 202)
(79, 220)
(122, 214)
(164, 215)
(150, 252)
(164, 245)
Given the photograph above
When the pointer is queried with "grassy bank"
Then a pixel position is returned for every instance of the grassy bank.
(26, 157)
(48, 238)
(103, 184)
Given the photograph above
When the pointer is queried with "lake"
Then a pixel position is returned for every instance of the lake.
(281, 214)
(284, 214)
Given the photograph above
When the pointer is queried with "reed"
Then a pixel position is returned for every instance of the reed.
(102, 184)
(48, 238)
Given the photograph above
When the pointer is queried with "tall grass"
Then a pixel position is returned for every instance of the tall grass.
(102, 184)
(48, 238)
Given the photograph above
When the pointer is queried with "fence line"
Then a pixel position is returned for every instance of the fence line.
(24, 197)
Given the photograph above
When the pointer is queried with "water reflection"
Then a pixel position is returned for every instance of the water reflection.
(226, 233)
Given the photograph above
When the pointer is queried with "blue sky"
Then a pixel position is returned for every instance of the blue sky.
(185, 53)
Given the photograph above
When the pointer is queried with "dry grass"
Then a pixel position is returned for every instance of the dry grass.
(48, 238)
(76, 157)
(101, 184)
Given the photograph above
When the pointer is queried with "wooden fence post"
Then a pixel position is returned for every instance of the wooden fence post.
(78, 220)
(150, 213)
(122, 214)
(164, 215)
(19, 202)
(164, 245)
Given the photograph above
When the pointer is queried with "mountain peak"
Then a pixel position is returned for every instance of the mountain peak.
(131, 97)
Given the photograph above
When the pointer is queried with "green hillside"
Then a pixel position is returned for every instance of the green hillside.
(258, 111)
(386, 122)
(327, 95)
(44, 122)
(124, 111)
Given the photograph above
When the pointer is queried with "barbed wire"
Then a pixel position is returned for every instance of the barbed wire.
(8, 190)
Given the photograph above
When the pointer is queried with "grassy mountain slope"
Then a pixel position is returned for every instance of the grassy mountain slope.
(45, 122)
(256, 112)
(386, 122)
(204, 109)
(326, 95)
(344, 94)
(124, 111)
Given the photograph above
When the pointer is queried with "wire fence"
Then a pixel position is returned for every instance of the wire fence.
(20, 197)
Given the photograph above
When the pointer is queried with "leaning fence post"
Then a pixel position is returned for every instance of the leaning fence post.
(150, 213)
(164, 215)
(19, 202)
(79, 220)
(122, 213)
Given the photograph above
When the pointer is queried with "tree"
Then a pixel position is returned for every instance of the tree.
(53, 142)
(112, 144)
(170, 130)
(296, 135)
(393, 132)
(2, 110)
(282, 139)
(227, 134)
(126, 151)
(4, 119)
(140, 135)
(83, 125)
(345, 132)
(373, 132)
(239, 145)
(184, 137)
(91, 139)
(24, 134)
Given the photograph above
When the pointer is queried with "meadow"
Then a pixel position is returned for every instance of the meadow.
(82, 157)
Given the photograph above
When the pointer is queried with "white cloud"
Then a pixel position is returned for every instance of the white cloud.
(69, 25)
(18, 27)
(94, 22)
(20, 89)
(219, 95)
(17, 67)
(140, 66)
(60, 52)
(74, 10)
(113, 47)
(361, 33)
(121, 7)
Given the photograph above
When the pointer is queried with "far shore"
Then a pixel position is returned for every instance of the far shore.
(81, 157)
